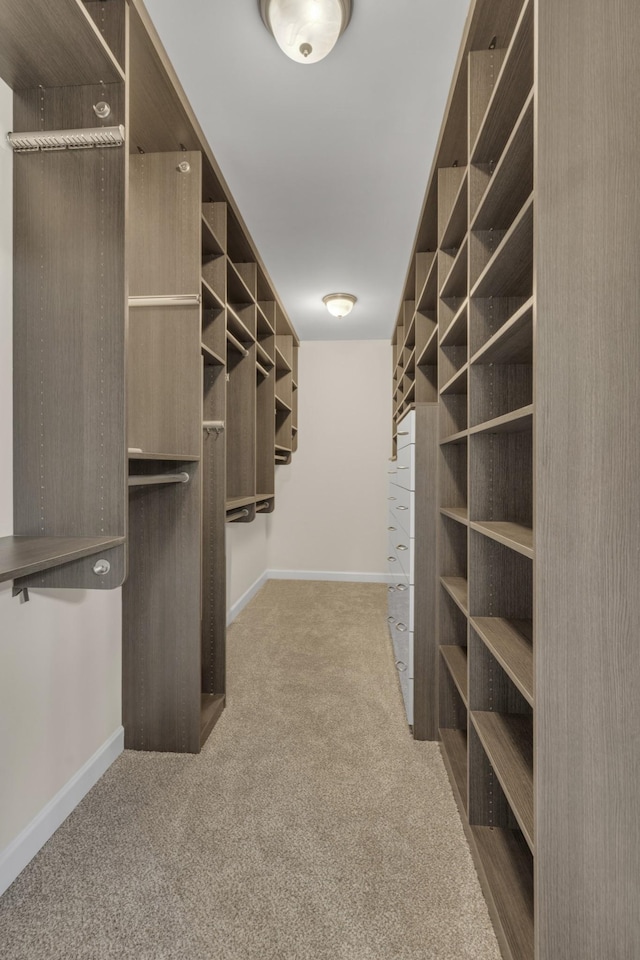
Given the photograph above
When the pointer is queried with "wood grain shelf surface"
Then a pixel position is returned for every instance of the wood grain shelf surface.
(459, 514)
(458, 590)
(53, 45)
(456, 333)
(234, 503)
(459, 437)
(237, 290)
(151, 455)
(512, 179)
(282, 364)
(511, 643)
(428, 297)
(506, 874)
(211, 246)
(211, 357)
(512, 87)
(20, 556)
(509, 271)
(507, 739)
(518, 421)
(264, 357)
(458, 384)
(455, 284)
(456, 226)
(210, 299)
(513, 342)
(239, 329)
(453, 744)
(456, 660)
(282, 406)
(513, 535)
(429, 354)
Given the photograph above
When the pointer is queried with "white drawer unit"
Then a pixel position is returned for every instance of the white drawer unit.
(411, 525)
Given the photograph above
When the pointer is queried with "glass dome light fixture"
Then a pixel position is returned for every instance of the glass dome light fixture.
(339, 304)
(306, 30)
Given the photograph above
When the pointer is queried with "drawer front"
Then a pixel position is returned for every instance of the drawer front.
(405, 471)
(400, 520)
(406, 430)
(401, 502)
(400, 555)
(400, 606)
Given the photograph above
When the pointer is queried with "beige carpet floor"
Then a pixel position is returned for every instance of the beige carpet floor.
(311, 827)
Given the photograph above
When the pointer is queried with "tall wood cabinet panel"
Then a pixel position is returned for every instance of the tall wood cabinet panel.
(530, 219)
(69, 305)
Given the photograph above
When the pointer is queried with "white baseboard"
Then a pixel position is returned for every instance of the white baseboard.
(248, 595)
(15, 857)
(346, 576)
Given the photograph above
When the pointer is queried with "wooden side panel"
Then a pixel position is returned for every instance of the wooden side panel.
(69, 329)
(587, 394)
(161, 616)
(214, 593)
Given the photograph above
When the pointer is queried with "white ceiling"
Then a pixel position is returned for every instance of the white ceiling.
(327, 162)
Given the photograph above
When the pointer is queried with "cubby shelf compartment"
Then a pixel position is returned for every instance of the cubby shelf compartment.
(513, 535)
(237, 290)
(456, 660)
(455, 284)
(511, 643)
(505, 865)
(429, 353)
(518, 421)
(21, 556)
(282, 406)
(428, 296)
(151, 455)
(264, 357)
(453, 744)
(512, 180)
(513, 342)
(460, 514)
(512, 87)
(508, 742)
(456, 333)
(210, 298)
(236, 326)
(282, 364)
(459, 437)
(458, 382)
(211, 246)
(236, 503)
(458, 590)
(509, 271)
(456, 226)
(211, 357)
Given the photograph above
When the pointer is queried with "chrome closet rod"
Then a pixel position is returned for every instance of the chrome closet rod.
(176, 300)
(147, 480)
(236, 514)
(236, 343)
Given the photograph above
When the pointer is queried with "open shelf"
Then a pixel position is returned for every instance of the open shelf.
(235, 503)
(460, 514)
(210, 357)
(509, 271)
(513, 342)
(456, 333)
(513, 535)
(429, 354)
(456, 226)
(427, 297)
(456, 660)
(458, 590)
(263, 356)
(20, 556)
(282, 364)
(459, 437)
(453, 744)
(282, 406)
(149, 455)
(237, 290)
(211, 246)
(458, 383)
(210, 299)
(512, 180)
(508, 742)
(455, 284)
(511, 643)
(517, 421)
(505, 866)
(511, 90)
(236, 326)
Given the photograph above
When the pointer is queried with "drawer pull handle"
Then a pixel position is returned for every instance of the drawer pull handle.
(392, 559)
(392, 498)
(403, 433)
(401, 546)
(403, 468)
(401, 587)
(391, 619)
(401, 627)
(391, 528)
(401, 666)
(399, 508)
(391, 590)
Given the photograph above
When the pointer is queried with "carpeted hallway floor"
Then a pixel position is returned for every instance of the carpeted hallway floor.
(311, 827)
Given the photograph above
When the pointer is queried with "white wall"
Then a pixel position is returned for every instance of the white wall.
(331, 505)
(60, 654)
(247, 561)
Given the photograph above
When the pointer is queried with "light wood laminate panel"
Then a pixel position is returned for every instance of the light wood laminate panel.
(513, 535)
(456, 660)
(511, 643)
(52, 45)
(456, 587)
(587, 605)
(21, 556)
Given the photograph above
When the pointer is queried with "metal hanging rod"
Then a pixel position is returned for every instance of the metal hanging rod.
(236, 343)
(237, 514)
(67, 139)
(179, 300)
(281, 458)
(261, 369)
(158, 478)
(213, 426)
(263, 506)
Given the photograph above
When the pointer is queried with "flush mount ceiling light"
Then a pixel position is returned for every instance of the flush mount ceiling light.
(339, 304)
(306, 30)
